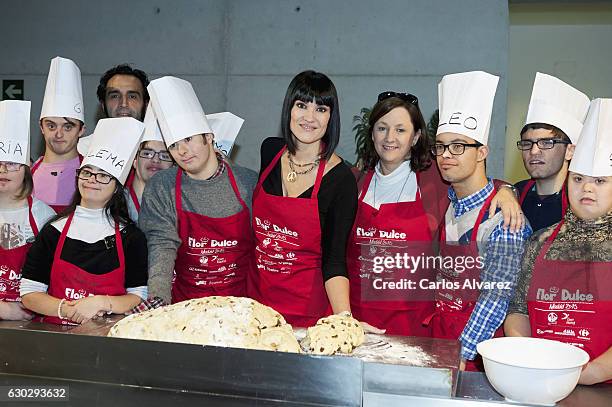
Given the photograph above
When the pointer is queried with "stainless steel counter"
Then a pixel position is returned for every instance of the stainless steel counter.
(111, 371)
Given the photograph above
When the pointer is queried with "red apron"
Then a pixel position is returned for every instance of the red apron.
(386, 232)
(288, 277)
(454, 306)
(531, 183)
(70, 282)
(11, 263)
(56, 208)
(216, 254)
(571, 301)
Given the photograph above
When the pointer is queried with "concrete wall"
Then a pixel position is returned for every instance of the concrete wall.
(569, 41)
(241, 55)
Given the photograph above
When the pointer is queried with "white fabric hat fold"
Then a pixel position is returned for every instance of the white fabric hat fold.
(113, 147)
(15, 131)
(177, 109)
(63, 93)
(152, 131)
(225, 126)
(556, 103)
(593, 155)
(466, 104)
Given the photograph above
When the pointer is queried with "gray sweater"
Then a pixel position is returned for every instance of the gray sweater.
(213, 198)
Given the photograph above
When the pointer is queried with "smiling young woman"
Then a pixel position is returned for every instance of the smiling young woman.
(303, 208)
(91, 259)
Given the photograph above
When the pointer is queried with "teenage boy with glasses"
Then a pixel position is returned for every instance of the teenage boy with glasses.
(554, 121)
(479, 246)
(152, 157)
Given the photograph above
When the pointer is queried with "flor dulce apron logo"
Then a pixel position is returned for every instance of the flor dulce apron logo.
(266, 224)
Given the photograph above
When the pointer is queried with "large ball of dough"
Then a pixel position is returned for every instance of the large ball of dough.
(221, 321)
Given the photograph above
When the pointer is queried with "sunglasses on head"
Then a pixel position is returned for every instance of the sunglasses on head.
(406, 97)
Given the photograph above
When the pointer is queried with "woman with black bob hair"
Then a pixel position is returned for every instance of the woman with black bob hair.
(303, 208)
(402, 201)
(91, 259)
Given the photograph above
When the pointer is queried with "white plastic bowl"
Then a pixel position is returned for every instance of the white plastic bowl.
(532, 370)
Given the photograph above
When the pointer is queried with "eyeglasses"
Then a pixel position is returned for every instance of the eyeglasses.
(100, 177)
(454, 148)
(10, 166)
(150, 154)
(406, 97)
(543, 143)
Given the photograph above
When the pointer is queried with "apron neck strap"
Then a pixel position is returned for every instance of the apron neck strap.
(317, 184)
(62, 239)
(234, 185)
(481, 214)
(525, 190)
(134, 197)
(178, 199)
(31, 217)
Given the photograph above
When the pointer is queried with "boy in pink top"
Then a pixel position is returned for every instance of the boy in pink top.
(61, 124)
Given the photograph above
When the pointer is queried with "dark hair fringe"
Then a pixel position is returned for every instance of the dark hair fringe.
(420, 153)
(557, 132)
(115, 209)
(122, 69)
(307, 86)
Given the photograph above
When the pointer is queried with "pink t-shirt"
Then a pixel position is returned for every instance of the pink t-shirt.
(54, 184)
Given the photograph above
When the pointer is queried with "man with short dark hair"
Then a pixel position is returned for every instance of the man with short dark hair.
(122, 92)
(554, 121)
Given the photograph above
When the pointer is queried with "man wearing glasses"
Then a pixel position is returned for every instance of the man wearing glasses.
(554, 121)
(481, 250)
(152, 157)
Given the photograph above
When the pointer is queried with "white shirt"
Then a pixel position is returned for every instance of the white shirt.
(399, 186)
(88, 225)
(15, 229)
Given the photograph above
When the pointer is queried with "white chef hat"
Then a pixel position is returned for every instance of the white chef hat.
(113, 146)
(63, 94)
(15, 131)
(225, 126)
(593, 155)
(152, 131)
(466, 104)
(556, 103)
(177, 109)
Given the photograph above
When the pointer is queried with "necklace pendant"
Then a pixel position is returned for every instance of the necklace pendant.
(292, 176)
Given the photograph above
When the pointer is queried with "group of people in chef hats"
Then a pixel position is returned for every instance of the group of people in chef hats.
(147, 211)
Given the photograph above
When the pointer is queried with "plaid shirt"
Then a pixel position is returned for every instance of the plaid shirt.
(502, 259)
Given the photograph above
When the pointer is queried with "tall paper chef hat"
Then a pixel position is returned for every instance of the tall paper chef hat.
(152, 131)
(466, 104)
(63, 94)
(113, 146)
(15, 131)
(556, 103)
(177, 109)
(593, 155)
(225, 126)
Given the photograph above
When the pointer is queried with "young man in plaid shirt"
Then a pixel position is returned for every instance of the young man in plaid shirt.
(476, 285)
